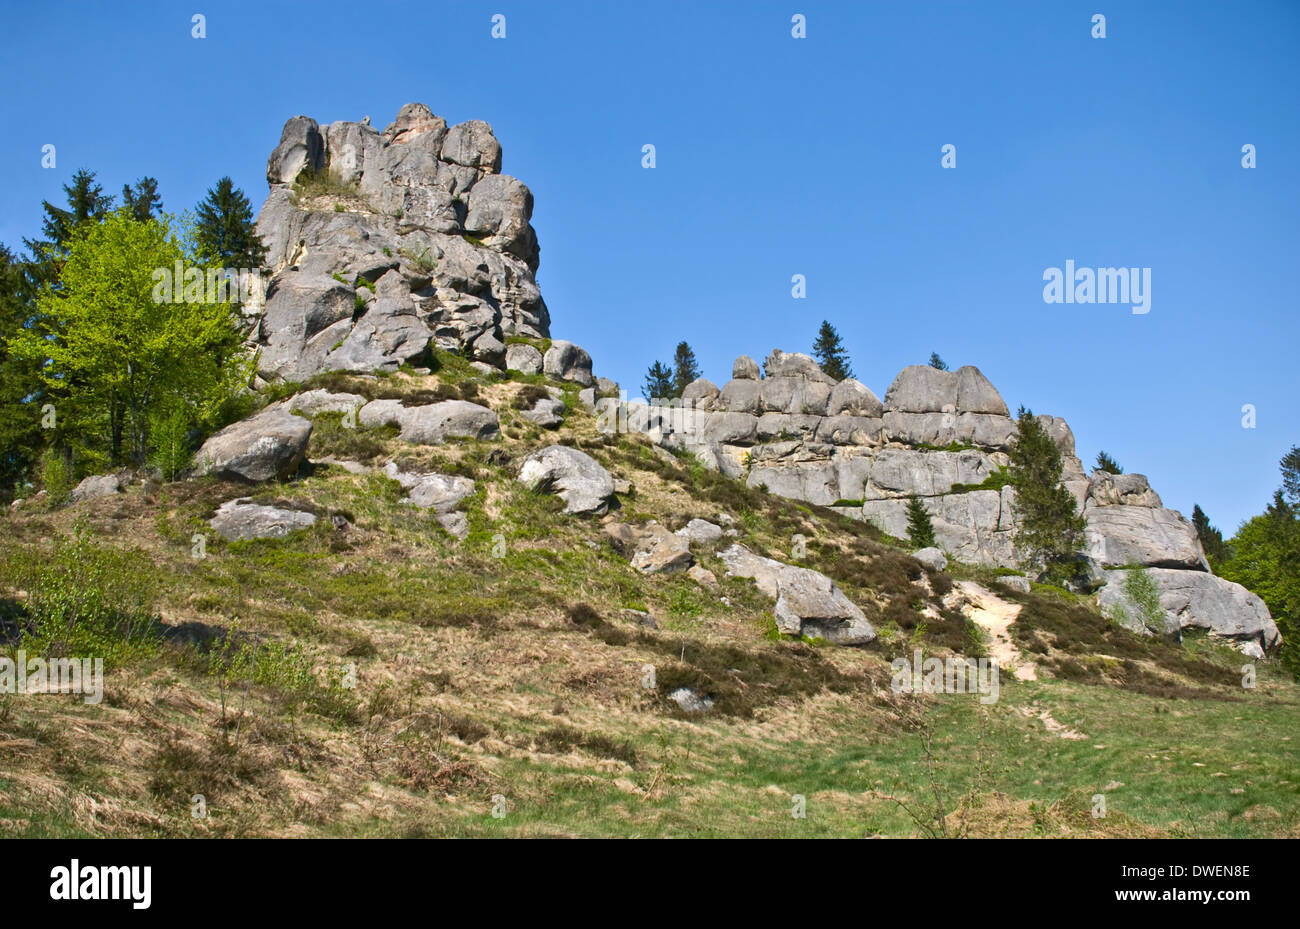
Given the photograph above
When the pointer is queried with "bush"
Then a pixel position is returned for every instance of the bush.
(88, 601)
(56, 476)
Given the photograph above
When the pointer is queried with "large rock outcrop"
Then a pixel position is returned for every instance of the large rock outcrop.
(382, 244)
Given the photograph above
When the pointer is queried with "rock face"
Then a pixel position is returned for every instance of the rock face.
(1199, 599)
(807, 602)
(382, 244)
(269, 444)
(580, 480)
(238, 519)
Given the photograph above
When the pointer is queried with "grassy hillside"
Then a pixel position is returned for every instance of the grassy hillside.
(372, 675)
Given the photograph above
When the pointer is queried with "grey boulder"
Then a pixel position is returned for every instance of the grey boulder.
(568, 362)
(237, 520)
(270, 444)
(580, 480)
(434, 423)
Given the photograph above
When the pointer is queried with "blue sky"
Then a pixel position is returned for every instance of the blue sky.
(778, 156)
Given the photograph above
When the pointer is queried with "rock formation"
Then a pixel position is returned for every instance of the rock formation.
(381, 244)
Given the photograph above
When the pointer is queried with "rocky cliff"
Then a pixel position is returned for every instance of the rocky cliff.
(385, 245)
(381, 244)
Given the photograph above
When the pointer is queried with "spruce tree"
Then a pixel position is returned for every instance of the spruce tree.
(920, 530)
(20, 392)
(1290, 465)
(658, 382)
(1108, 464)
(685, 368)
(142, 200)
(937, 362)
(86, 202)
(1216, 550)
(1049, 529)
(830, 352)
(224, 230)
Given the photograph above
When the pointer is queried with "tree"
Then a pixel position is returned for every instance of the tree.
(1290, 465)
(20, 437)
(830, 352)
(1264, 557)
(658, 382)
(685, 368)
(224, 232)
(1108, 464)
(1216, 550)
(920, 530)
(1049, 529)
(142, 201)
(937, 362)
(86, 202)
(113, 359)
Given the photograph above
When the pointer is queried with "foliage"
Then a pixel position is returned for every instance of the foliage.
(87, 601)
(224, 232)
(1049, 529)
(685, 367)
(1216, 550)
(19, 385)
(1142, 592)
(937, 362)
(142, 201)
(920, 530)
(830, 352)
(1108, 464)
(114, 355)
(658, 382)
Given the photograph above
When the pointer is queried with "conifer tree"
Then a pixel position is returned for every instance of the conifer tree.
(920, 530)
(937, 362)
(1049, 528)
(1108, 464)
(658, 382)
(830, 352)
(224, 232)
(685, 368)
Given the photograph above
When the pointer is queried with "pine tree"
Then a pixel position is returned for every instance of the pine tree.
(224, 233)
(20, 394)
(1216, 550)
(1049, 528)
(86, 202)
(830, 352)
(937, 362)
(685, 368)
(1108, 464)
(658, 382)
(920, 530)
(1290, 465)
(142, 200)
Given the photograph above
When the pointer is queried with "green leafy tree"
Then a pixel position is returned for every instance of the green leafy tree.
(1264, 557)
(685, 368)
(658, 382)
(142, 200)
(1108, 464)
(224, 231)
(1216, 550)
(830, 352)
(113, 359)
(937, 362)
(920, 530)
(1049, 528)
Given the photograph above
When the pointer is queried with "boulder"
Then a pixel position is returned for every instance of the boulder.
(441, 493)
(567, 362)
(700, 394)
(744, 369)
(1016, 582)
(473, 145)
(852, 397)
(932, 558)
(795, 364)
(269, 444)
(1106, 489)
(905, 472)
(703, 576)
(434, 423)
(922, 389)
(580, 480)
(1119, 536)
(741, 395)
(239, 519)
(523, 358)
(702, 531)
(547, 412)
(808, 603)
(500, 208)
(95, 487)
(311, 403)
(975, 394)
(651, 548)
(1197, 599)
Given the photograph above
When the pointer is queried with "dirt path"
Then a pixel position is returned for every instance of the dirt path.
(995, 616)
